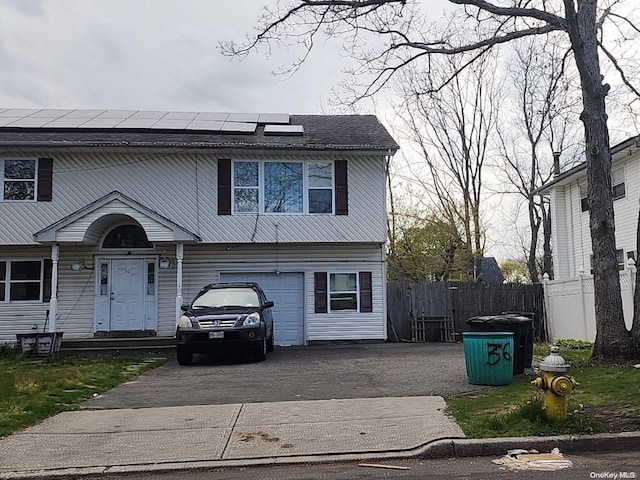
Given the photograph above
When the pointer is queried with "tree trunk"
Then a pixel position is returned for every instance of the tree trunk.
(635, 327)
(534, 224)
(612, 342)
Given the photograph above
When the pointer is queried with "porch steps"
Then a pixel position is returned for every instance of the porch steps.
(127, 346)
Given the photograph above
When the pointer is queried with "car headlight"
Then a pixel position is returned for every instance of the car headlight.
(185, 322)
(252, 319)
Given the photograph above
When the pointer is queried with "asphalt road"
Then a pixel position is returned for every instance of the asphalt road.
(619, 465)
(299, 373)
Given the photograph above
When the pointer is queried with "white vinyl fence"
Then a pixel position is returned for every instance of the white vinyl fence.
(570, 304)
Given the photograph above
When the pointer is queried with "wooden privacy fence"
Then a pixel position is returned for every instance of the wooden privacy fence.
(438, 311)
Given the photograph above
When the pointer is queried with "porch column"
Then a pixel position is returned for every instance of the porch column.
(53, 302)
(179, 257)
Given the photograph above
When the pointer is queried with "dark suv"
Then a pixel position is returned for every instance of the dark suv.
(234, 316)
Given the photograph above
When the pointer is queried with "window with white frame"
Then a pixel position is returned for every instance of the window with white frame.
(584, 202)
(21, 280)
(281, 187)
(18, 179)
(343, 291)
(617, 183)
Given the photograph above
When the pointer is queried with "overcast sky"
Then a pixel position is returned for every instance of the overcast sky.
(149, 55)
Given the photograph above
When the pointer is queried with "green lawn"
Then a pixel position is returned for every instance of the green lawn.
(32, 389)
(605, 401)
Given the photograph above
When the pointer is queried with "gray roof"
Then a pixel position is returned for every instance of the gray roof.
(575, 172)
(298, 132)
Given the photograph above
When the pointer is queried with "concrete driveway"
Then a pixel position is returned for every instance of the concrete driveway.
(299, 373)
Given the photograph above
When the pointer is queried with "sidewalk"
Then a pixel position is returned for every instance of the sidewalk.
(164, 438)
(230, 435)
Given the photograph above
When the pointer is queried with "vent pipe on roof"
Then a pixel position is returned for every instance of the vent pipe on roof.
(556, 164)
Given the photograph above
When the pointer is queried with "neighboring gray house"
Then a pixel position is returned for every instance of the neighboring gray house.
(112, 219)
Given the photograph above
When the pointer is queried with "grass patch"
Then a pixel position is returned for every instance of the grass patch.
(605, 401)
(32, 389)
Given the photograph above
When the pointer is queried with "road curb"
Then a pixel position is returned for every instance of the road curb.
(468, 447)
(442, 448)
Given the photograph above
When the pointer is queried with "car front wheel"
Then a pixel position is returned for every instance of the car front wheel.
(260, 353)
(270, 344)
(184, 357)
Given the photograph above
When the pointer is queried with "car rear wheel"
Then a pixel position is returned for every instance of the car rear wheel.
(184, 357)
(260, 353)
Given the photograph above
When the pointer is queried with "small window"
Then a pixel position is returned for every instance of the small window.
(620, 259)
(584, 201)
(617, 182)
(19, 179)
(21, 280)
(320, 187)
(151, 278)
(104, 279)
(343, 291)
(127, 236)
(245, 187)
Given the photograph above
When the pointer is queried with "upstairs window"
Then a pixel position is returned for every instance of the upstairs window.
(26, 179)
(273, 187)
(617, 182)
(584, 202)
(19, 179)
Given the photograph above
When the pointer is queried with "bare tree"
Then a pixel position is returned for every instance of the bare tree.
(452, 130)
(385, 36)
(543, 122)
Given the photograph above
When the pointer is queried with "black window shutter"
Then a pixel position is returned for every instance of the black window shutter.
(224, 186)
(342, 190)
(45, 179)
(366, 292)
(46, 285)
(320, 287)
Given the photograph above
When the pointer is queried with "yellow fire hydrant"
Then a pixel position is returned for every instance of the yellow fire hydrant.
(555, 385)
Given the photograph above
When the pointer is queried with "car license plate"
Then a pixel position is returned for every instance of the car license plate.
(216, 334)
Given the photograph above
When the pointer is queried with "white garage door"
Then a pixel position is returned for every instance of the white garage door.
(287, 292)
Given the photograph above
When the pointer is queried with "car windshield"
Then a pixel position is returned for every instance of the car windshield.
(227, 297)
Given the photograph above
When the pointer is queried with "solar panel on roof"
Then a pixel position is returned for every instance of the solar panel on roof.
(121, 114)
(220, 116)
(238, 127)
(29, 122)
(289, 130)
(101, 123)
(151, 115)
(180, 116)
(65, 122)
(53, 113)
(137, 123)
(243, 117)
(169, 124)
(6, 121)
(84, 113)
(211, 125)
(19, 112)
(273, 118)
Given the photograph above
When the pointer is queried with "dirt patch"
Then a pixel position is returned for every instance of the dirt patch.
(617, 418)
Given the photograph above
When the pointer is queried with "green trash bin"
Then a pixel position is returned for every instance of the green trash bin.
(488, 357)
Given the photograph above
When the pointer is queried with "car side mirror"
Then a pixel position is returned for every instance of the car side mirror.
(268, 304)
(185, 307)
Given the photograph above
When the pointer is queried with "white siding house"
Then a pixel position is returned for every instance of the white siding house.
(569, 296)
(111, 220)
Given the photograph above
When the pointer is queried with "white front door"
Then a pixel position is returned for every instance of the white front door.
(126, 293)
(127, 300)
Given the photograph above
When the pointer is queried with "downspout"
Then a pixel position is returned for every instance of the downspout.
(53, 302)
(179, 258)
